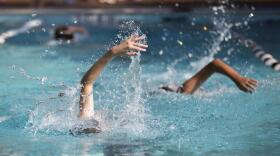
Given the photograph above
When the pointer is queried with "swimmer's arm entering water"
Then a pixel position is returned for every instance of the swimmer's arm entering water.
(218, 66)
(127, 47)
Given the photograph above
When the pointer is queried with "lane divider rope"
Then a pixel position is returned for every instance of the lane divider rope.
(259, 52)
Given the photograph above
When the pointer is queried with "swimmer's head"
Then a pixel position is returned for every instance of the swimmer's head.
(60, 33)
(61, 94)
(172, 88)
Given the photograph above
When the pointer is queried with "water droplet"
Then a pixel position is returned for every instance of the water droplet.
(160, 52)
(205, 28)
(251, 15)
(44, 79)
(180, 42)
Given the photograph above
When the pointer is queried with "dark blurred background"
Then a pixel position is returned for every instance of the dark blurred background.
(178, 4)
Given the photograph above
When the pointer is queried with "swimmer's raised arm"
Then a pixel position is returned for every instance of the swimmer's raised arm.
(218, 66)
(127, 47)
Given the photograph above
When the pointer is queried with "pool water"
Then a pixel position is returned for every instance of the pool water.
(136, 118)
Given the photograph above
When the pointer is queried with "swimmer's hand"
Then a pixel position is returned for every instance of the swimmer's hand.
(129, 47)
(247, 84)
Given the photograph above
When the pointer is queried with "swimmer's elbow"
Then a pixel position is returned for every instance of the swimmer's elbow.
(85, 82)
(216, 61)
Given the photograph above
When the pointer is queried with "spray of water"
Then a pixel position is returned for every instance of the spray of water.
(132, 117)
(47, 116)
(221, 33)
(54, 114)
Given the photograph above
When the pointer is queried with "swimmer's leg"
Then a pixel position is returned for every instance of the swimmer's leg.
(192, 84)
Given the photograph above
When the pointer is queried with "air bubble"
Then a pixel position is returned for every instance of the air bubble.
(160, 52)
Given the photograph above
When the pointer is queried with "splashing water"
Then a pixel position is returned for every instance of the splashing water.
(132, 117)
(134, 110)
(48, 117)
(221, 33)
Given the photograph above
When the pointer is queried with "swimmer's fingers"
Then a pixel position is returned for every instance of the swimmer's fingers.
(140, 45)
(138, 38)
(132, 38)
(132, 47)
(131, 53)
(253, 83)
(250, 88)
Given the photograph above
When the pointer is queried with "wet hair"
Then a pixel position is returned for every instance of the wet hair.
(172, 88)
(59, 33)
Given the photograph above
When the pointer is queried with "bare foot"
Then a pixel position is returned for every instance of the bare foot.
(246, 84)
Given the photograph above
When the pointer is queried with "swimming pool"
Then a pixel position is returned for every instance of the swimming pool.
(136, 118)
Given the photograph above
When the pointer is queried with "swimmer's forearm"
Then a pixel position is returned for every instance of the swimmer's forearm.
(223, 68)
(126, 47)
(92, 74)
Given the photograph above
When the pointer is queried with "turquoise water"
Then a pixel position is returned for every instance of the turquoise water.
(137, 119)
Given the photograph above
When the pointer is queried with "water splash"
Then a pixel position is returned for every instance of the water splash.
(23, 72)
(133, 115)
(54, 114)
(134, 110)
(222, 32)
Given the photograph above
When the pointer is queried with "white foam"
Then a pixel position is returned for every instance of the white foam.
(4, 118)
(27, 26)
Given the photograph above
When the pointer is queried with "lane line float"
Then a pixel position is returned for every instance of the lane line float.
(260, 53)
